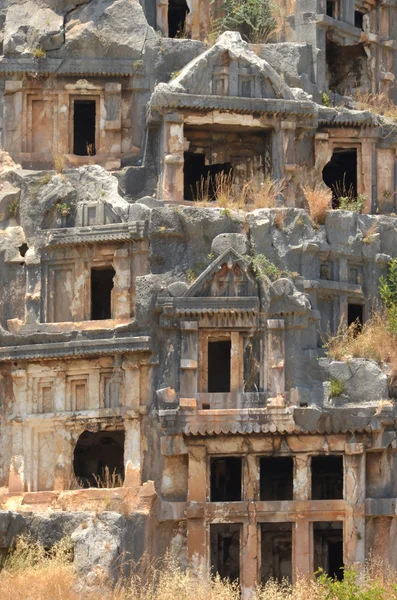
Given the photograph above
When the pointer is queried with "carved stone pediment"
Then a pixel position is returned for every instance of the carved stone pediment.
(228, 276)
(231, 68)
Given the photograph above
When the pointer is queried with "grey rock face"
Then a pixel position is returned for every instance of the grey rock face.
(91, 30)
(98, 545)
(8, 195)
(224, 241)
(363, 380)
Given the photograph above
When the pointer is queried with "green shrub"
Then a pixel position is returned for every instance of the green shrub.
(351, 588)
(39, 52)
(13, 208)
(337, 388)
(353, 204)
(263, 266)
(253, 19)
(388, 294)
(326, 100)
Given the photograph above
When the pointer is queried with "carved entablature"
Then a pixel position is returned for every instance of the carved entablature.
(233, 335)
(84, 277)
(60, 390)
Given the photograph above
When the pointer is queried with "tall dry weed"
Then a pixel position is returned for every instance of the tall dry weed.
(377, 103)
(224, 192)
(319, 201)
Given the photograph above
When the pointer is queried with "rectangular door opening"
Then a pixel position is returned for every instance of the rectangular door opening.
(177, 11)
(84, 124)
(101, 293)
(226, 479)
(219, 354)
(328, 548)
(225, 550)
(276, 552)
(340, 174)
(327, 477)
(276, 477)
(355, 315)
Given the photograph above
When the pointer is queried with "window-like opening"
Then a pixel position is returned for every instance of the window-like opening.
(101, 293)
(219, 160)
(328, 548)
(200, 180)
(347, 67)
(276, 552)
(331, 8)
(355, 315)
(84, 118)
(177, 11)
(99, 459)
(327, 477)
(359, 19)
(340, 174)
(225, 550)
(23, 249)
(219, 366)
(276, 477)
(226, 476)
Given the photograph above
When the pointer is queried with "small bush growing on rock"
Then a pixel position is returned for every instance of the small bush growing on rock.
(337, 388)
(388, 294)
(263, 266)
(13, 208)
(253, 19)
(39, 53)
(351, 203)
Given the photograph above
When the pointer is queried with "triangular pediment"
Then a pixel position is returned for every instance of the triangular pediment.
(230, 68)
(227, 276)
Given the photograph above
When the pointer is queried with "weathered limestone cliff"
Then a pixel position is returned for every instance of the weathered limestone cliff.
(168, 283)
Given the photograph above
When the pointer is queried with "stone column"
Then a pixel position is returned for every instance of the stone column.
(251, 477)
(323, 151)
(288, 144)
(13, 117)
(365, 177)
(132, 386)
(60, 391)
(132, 454)
(162, 16)
(197, 495)
(302, 477)
(33, 290)
(354, 493)
(64, 461)
(302, 551)
(95, 400)
(249, 554)
(16, 480)
(236, 362)
(189, 358)
(276, 356)
(121, 308)
(173, 158)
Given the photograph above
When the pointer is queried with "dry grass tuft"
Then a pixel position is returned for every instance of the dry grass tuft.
(279, 219)
(376, 103)
(319, 201)
(370, 234)
(108, 479)
(223, 192)
(374, 341)
(31, 573)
